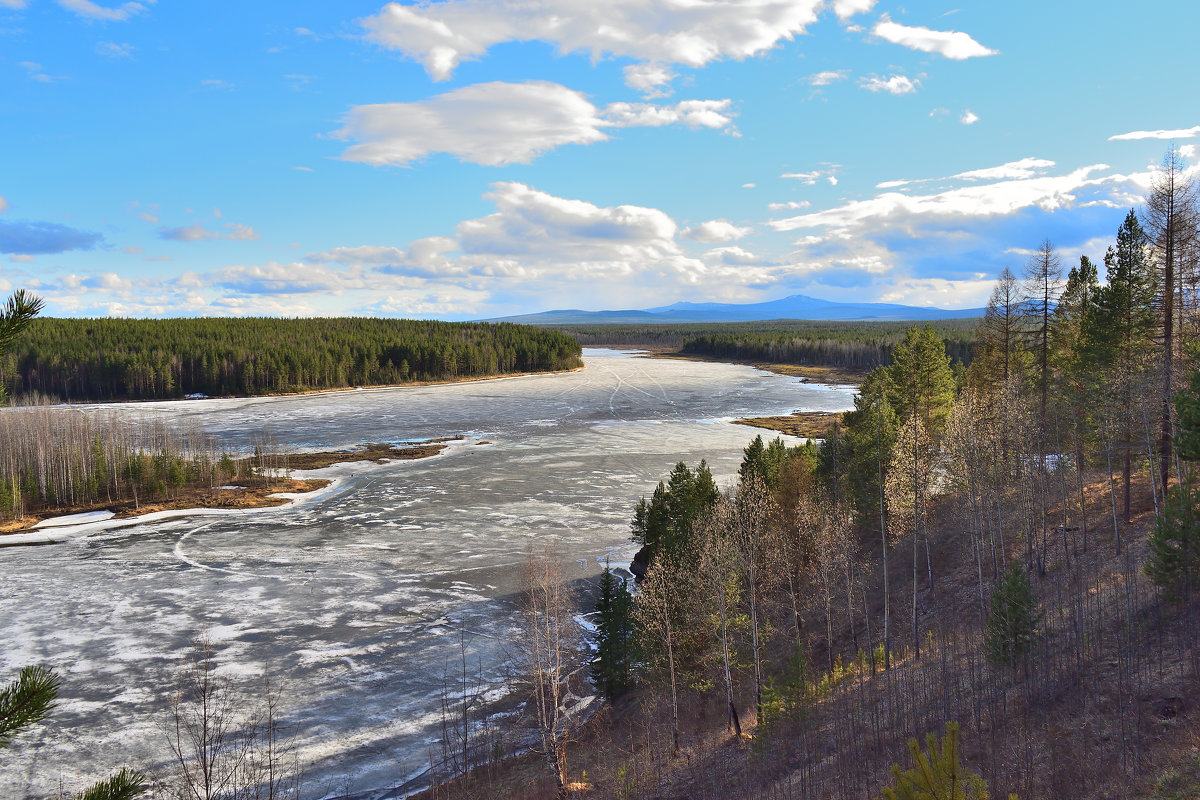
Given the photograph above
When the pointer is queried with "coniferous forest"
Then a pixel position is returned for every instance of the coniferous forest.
(154, 359)
(856, 346)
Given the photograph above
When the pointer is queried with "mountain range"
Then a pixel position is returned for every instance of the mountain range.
(797, 306)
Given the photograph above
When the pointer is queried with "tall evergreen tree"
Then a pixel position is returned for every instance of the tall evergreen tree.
(1123, 329)
(612, 666)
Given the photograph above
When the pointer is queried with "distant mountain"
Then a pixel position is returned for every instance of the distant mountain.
(797, 306)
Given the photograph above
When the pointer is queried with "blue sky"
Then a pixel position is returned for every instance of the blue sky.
(476, 158)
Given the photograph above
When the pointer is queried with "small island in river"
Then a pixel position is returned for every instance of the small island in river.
(255, 483)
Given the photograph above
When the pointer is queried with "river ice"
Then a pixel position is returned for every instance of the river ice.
(354, 602)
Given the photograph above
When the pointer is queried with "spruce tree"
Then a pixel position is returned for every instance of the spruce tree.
(612, 666)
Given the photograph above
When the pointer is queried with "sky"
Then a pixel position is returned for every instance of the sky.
(465, 159)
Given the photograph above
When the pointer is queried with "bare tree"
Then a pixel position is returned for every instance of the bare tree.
(550, 645)
(657, 608)
(718, 572)
(1171, 219)
(753, 510)
(226, 745)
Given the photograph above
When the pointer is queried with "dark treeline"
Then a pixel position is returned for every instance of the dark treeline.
(847, 345)
(141, 359)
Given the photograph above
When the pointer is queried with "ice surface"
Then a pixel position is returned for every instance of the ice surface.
(355, 599)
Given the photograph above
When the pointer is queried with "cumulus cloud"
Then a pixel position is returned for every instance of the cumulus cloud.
(1178, 133)
(35, 238)
(789, 205)
(848, 8)
(717, 231)
(442, 35)
(895, 84)
(827, 77)
(109, 281)
(951, 44)
(293, 278)
(498, 123)
(652, 80)
(692, 113)
(969, 117)
(89, 10)
(234, 231)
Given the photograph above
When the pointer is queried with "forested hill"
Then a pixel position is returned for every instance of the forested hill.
(861, 345)
(140, 359)
(848, 345)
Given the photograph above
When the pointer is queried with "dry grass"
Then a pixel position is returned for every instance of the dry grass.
(804, 424)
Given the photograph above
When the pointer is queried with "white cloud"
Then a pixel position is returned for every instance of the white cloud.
(848, 8)
(789, 205)
(3, 205)
(114, 49)
(716, 231)
(1188, 151)
(1179, 133)
(1024, 168)
(652, 80)
(22, 258)
(441, 35)
(896, 84)
(951, 44)
(1003, 197)
(969, 117)
(109, 281)
(15, 4)
(504, 123)
(744, 186)
(827, 77)
(36, 73)
(89, 10)
(693, 113)
(811, 178)
(234, 231)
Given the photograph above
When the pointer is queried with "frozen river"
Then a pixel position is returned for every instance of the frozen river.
(355, 601)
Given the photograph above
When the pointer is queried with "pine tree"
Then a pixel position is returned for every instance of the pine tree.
(1014, 618)
(27, 701)
(937, 774)
(612, 666)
